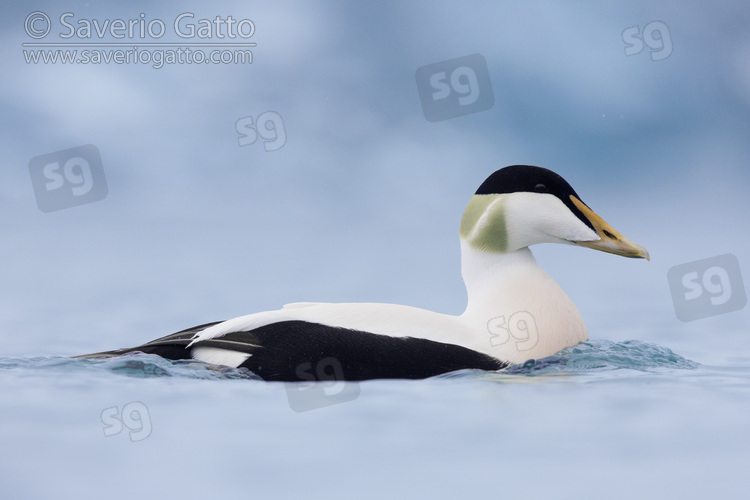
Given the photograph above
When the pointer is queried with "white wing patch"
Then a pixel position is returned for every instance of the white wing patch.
(217, 356)
(298, 305)
(383, 319)
(240, 324)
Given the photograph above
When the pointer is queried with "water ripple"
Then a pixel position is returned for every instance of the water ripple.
(586, 357)
(605, 355)
(136, 365)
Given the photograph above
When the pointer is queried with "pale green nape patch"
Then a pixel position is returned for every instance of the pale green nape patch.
(483, 223)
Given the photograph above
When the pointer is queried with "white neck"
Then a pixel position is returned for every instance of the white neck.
(519, 311)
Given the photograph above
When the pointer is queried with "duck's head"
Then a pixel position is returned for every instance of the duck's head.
(521, 205)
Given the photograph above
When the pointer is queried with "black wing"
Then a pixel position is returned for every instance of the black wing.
(296, 351)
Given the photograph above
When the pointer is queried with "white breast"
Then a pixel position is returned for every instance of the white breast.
(523, 312)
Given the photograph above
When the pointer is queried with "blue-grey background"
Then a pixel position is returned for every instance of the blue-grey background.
(362, 203)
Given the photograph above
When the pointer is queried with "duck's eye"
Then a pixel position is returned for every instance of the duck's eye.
(540, 188)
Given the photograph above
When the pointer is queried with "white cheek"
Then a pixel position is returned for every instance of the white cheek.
(580, 233)
(538, 218)
(560, 222)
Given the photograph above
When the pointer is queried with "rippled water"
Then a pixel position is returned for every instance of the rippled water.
(585, 358)
(624, 419)
(137, 365)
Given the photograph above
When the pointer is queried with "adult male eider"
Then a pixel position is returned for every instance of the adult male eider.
(515, 310)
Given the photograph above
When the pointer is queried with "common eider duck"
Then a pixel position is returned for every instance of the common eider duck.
(515, 310)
